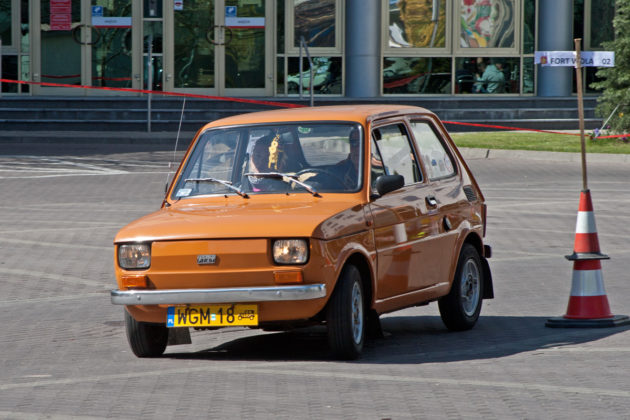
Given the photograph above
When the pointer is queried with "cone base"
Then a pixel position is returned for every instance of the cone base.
(561, 322)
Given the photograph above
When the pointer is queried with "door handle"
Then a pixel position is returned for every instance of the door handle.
(431, 201)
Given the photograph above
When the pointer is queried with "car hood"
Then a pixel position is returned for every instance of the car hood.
(247, 219)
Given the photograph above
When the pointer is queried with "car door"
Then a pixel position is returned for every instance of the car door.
(403, 223)
(450, 203)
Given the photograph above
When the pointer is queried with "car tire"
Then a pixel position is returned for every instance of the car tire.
(145, 340)
(346, 316)
(461, 307)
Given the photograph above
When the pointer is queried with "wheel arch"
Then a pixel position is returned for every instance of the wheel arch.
(362, 263)
(475, 240)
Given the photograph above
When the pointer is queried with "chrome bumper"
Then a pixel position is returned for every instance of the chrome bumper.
(228, 295)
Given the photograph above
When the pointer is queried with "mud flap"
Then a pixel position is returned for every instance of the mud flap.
(488, 289)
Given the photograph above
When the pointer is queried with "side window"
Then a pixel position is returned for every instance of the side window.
(437, 161)
(397, 155)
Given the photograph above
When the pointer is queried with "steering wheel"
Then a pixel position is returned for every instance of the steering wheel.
(319, 171)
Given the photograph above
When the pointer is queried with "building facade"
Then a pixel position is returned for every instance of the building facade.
(355, 48)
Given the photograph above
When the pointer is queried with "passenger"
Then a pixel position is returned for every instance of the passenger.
(265, 157)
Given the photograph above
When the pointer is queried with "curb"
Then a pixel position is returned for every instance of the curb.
(473, 153)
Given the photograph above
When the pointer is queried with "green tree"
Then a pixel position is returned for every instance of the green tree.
(615, 81)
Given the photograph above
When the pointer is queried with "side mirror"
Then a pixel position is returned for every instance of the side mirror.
(388, 183)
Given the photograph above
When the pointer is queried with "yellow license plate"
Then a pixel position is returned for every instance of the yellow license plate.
(212, 315)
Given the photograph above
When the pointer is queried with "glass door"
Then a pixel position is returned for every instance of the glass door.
(61, 46)
(110, 49)
(220, 47)
(87, 42)
(193, 51)
(246, 68)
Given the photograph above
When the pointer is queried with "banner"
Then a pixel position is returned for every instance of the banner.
(568, 58)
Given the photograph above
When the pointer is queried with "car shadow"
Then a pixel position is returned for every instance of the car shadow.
(410, 339)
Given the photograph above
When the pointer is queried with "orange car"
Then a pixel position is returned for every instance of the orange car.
(326, 215)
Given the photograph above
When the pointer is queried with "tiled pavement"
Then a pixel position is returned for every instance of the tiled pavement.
(65, 356)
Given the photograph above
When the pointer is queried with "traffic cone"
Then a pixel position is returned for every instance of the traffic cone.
(588, 304)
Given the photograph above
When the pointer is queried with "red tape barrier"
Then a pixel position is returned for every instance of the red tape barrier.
(501, 127)
(278, 104)
(157, 92)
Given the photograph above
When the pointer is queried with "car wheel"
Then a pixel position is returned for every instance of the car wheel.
(146, 340)
(460, 308)
(345, 316)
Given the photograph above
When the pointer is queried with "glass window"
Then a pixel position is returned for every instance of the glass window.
(5, 22)
(280, 27)
(315, 21)
(194, 54)
(528, 74)
(398, 158)
(437, 161)
(529, 26)
(326, 75)
(152, 8)
(487, 23)
(280, 75)
(9, 71)
(601, 30)
(416, 75)
(487, 75)
(417, 23)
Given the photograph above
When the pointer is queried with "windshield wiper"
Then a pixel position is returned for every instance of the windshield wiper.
(220, 181)
(288, 178)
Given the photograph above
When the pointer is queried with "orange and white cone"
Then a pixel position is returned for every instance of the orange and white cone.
(588, 303)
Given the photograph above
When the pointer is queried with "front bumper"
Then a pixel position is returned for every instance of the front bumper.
(226, 295)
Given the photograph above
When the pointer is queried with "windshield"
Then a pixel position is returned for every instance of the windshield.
(270, 159)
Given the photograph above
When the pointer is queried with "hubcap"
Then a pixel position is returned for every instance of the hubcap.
(357, 313)
(470, 287)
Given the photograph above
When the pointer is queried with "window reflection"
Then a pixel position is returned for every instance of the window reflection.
(529, 26)
(417, 23)
(416, 75)
(315, 21)
(487, 23)
(487, 75)
(5, 22)
(326, 75)
(602, 13)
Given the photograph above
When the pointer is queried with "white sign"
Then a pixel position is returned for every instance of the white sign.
(245, 22)
(568, 58)
(178, 5)
(111, 22)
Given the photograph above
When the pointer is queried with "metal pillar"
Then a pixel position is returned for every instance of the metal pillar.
(363, 22)
(555, 33)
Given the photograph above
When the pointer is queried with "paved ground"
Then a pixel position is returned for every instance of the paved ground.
(64, 353)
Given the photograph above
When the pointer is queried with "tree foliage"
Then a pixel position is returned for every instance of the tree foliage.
(615, 81)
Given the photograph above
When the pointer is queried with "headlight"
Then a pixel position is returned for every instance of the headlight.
(290, 251)
(134, 255)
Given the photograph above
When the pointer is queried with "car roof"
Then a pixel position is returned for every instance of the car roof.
(357, 113)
